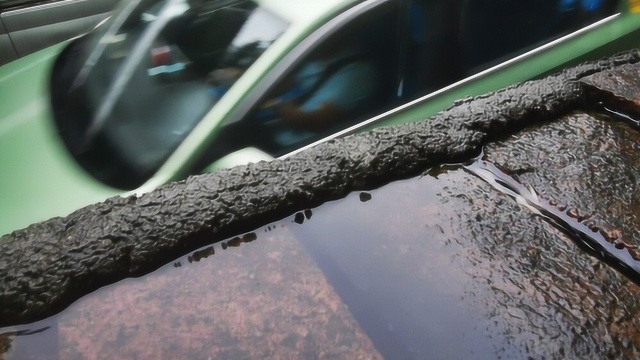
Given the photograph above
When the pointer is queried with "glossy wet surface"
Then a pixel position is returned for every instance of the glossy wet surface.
(603, 243)
(442, 266)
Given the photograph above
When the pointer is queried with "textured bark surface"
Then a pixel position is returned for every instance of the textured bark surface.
(48, 265)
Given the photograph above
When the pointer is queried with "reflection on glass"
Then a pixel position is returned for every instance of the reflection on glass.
(131, 92)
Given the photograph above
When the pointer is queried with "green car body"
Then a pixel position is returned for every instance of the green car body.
(40, 179)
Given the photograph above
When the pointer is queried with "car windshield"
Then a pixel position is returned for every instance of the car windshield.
(126, 95)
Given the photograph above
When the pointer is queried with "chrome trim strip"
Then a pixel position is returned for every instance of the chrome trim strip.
(354, 128)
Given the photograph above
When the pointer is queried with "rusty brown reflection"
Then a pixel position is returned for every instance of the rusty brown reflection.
(259, 296)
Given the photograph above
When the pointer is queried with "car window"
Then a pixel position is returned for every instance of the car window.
(346, 77)
(126, 96)
(449, 40)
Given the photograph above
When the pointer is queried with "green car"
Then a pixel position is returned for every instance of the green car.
(167, 89)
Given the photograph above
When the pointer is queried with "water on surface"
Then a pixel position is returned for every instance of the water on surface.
(383, 269)
(263, 298)
(441, 266)
(606, 245)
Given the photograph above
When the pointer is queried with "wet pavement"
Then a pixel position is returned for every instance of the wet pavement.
(442, 264)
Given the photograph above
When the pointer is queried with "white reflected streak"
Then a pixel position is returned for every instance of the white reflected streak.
(105, 40)
(172, 9)
(524, 195)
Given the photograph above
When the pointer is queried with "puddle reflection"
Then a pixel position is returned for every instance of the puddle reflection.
(397, 262)
(379, 273)
(255, 296)
(440, 266)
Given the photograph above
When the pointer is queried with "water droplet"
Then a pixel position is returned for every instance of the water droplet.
(249, 237)
(365, 196)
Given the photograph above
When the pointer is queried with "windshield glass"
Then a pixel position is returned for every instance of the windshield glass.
(127, 95)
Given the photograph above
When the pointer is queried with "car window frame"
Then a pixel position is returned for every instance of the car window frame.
(288, 63)
(297, 55)
(309, 44)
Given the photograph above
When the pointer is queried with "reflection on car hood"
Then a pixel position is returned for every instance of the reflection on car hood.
(39, 179)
